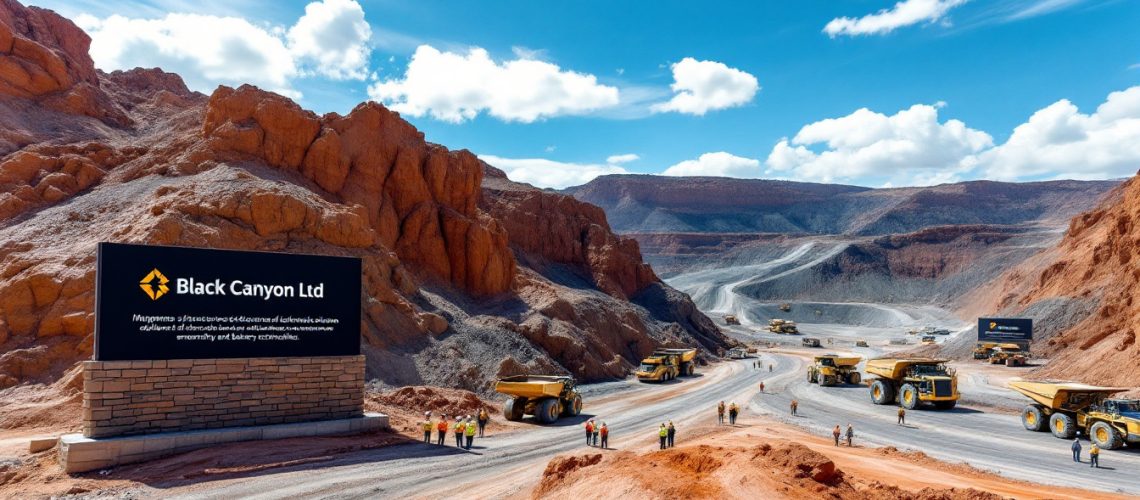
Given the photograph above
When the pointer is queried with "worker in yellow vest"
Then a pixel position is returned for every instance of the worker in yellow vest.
(426, 425)
(458, 430)
(471, 428)
(663, 434)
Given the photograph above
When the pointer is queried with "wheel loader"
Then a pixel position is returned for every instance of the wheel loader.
(782, 326)
(832, 369)
(547, 397)
(1067, 408)
(667, 364)
(913, 381)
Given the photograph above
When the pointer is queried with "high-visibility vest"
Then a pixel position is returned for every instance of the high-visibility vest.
(427, 426)
(589, 427)
(459, 427)
(662, 432)
(605, 431)
(442, 426)
(470, 429)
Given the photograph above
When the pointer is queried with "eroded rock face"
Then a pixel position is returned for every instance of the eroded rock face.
(134, 156)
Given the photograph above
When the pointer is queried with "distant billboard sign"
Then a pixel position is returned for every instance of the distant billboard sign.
(155, 302)
(1017, 330)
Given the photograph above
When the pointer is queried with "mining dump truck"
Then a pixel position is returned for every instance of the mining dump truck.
(545, 396)
(1008, 355)
(667, 364)
(982, 349)
(731, 320)
(1066, 408)
(785, 307)
(929, 340)
(831, 369)
(913, 381)
(810, 342)
(782, 326)
(861, 343)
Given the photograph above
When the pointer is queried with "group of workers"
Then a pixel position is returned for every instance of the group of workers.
(733, 411)
(760, 365)
(665, 435)
(836, 433)
(1094, 453)
(465, 428)
(596, 434)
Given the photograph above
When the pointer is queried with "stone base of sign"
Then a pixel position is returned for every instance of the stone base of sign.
(142, 397)
(78, 453)
(38, 444)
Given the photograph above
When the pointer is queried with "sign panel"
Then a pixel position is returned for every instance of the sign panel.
(1015, 330)
(154, 302)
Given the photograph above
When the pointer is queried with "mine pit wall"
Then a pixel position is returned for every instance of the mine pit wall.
(142, 397)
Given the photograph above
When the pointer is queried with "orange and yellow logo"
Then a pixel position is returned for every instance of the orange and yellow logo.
(154, 284)
(993, 324)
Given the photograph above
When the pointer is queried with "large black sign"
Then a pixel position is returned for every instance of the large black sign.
(156, 302)
(1016, 330)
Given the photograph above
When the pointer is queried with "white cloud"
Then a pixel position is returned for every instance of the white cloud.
(703, 86)
(549, 173)
(1059, 141)
(625, 158)
(909, 147)
(1042, 7)
(904, 13)
(208, 51)
(456, 87)
(719, 164)
(333, 36)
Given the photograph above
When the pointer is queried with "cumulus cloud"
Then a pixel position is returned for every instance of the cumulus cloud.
(904, 13)
(718, 164)
(550, 173)
(213, 50)
(703, 86)
(625, 158)
(909, 147)
(455, 87)
(1059, 141)
(333, 36)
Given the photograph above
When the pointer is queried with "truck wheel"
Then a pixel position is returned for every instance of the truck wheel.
(574, 407)
(854, 378)
(1010, 362)
(690, 370)
(945, 405)
(908, 396)
(1033, 418)
(827, 381)
(1062, 426)
(811, 377)
(548, 411)
(1105, 436)
(513, 409)
(882, 393)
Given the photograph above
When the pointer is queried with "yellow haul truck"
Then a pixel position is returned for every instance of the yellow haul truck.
(1067, 408)
(545, 396)
(913, 381)
(982, 350)
(667, 364)
(831, 369)
(782, 326)
(1008, 355)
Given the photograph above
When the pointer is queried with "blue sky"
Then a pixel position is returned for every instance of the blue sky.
(944, 83)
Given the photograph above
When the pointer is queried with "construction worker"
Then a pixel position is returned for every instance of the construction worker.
(733, 411)
(470, 432)
(761, 386)
(672, 432)
(662, 435)
(441, 428)
(484, 417)
(605, 432)
(836, 434)
(1077, 449)
(458, 431)
(902, 416)
(1094, 456)
(597, 430)
(769, 367)
(720, 413)
(850, 434)
(427, 425)
(589, 432)
(795, 406)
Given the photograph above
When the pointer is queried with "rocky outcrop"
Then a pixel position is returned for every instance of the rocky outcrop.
(1093, 272)
(457, 288)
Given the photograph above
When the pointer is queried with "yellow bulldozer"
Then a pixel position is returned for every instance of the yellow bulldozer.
(832, 369)
(782, 326)
(913, 381)
(667, 364)
(545, 396)
(1066, 408)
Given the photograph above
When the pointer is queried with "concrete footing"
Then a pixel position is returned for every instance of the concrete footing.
(80, 454)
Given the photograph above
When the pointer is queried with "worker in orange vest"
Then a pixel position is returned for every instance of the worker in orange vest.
(458, 431)
(605, 432)
(441, 428)
(589, 432)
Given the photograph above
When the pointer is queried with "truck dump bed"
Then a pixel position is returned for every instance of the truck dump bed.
(531, 386)
(685, 354)
(1063, 395)
(841, 361)
(895, 368)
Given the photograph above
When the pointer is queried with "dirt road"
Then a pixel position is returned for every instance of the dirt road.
(986, 438)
